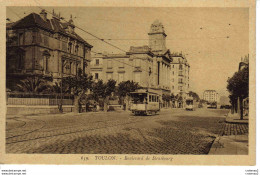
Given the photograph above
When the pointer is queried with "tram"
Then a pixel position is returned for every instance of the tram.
(189, 105)
(144, 103)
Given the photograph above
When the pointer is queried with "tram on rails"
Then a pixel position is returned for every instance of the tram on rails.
(144, 103)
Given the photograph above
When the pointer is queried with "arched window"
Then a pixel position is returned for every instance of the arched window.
(76, 49)
(69, 47)
(46, 57)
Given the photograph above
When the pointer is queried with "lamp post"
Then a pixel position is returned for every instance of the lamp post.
(61, 85)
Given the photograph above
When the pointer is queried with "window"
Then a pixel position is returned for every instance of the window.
(180, 67)
(172, 87)
(69, 47)
(21, 36)
(46, 63)
(97, 61)
(46, 40)
(96, 76)
(180, 73)
(180, 80)
(77, 67)
(70, 67)
(172, 72)
(180, 88)
(64, 47)
(172, 66)
(109, 64)
(33, 39)
(85, 64)
(150, 98)
(76, 49)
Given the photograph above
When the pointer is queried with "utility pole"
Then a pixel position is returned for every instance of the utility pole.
(61, 89)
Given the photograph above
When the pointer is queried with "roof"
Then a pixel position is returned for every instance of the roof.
(53, 25)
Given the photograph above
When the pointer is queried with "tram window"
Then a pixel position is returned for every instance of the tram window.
(157, 99)
(150, 98)
(153, 98)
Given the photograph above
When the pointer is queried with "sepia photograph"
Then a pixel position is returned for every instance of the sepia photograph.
(128, 82)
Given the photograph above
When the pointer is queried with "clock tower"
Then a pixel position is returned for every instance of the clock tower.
(157, 36)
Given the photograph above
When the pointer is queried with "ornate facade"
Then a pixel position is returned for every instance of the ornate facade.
(37, 45)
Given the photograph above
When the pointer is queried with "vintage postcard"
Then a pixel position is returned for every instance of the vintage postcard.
(118, 82)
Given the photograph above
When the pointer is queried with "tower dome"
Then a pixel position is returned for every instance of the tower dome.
(157, 26)
(157, 36)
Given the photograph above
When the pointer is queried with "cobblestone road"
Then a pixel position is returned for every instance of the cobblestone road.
(173, 131)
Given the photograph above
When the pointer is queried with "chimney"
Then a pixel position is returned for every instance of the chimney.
(43, 15)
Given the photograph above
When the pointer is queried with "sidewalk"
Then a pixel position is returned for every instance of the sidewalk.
(235, 118)
(230, 145)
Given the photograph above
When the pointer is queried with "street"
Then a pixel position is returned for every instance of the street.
(173, 131)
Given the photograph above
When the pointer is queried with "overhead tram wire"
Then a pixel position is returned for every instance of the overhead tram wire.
(101, 40)
(127, 39)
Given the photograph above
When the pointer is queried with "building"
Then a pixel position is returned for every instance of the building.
(179, 78)
(211, 96)
(147, 65)
(244, 62)
(37, 45)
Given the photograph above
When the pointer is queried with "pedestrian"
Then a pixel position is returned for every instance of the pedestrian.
(95, 107)
(124, 106)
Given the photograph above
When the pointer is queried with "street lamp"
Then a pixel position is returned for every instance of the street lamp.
(61, 85)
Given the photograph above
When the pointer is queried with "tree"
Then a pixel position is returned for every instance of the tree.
(78, 86)
(56, 88)
(166, 99)
(173, 100)
(35, 84)
(238, 87)
(104, 91)
(194, 95)
(125, 88)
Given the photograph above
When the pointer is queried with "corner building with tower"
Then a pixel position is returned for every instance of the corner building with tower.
(150, 66)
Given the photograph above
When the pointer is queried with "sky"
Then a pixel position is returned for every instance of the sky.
(213, 39)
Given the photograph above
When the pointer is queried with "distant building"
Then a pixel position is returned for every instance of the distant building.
(147, 65)
(37, 45)
(211, 96)
(179, 76)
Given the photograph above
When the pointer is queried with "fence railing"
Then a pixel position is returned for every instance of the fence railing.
(38, 99)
